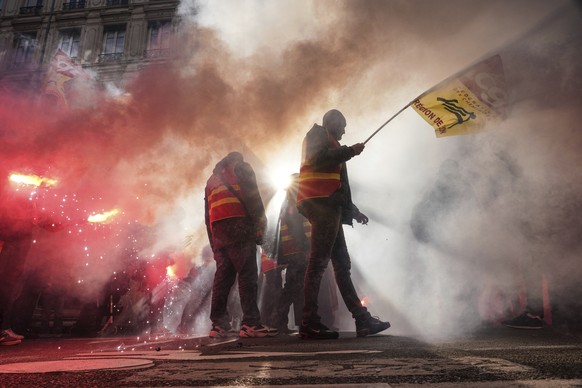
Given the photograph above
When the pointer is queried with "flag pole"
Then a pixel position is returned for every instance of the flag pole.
(390, 119)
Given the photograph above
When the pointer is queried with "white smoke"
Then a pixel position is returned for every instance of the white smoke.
(445, 214)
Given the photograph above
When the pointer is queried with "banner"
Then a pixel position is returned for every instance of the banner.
(60, 83)
(467, 102)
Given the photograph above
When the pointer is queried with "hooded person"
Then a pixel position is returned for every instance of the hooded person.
(235, 223)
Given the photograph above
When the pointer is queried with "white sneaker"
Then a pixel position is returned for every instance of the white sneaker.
(6, 339)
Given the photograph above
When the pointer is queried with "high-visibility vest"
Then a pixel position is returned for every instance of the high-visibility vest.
(290, 245)
(321, 182)
(222, 203)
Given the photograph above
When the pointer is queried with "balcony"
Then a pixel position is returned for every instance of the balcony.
(110, 58)
(156, 53)
(34, 10)
(116, 3)
(74, 5)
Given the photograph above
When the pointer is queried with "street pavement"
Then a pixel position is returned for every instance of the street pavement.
(493, 357)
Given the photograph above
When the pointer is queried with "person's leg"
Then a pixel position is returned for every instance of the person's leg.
(187, 314)
(342, 266)
(292, 292)
(12, 262)
(365, 323)
(325, 224)
(298, 297)
(224, 278)
(270, 295)
(245, 261)
(328, 298)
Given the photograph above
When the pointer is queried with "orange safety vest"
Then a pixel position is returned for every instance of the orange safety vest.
(289, 245)
(222, 203)
(319, 183)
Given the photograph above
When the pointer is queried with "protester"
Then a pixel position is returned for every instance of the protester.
(199, 280)
(159, 287)
(293, 248)
(235, 222)
(17, 222)
(324, 198)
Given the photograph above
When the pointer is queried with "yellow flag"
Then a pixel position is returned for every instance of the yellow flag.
(467, 102)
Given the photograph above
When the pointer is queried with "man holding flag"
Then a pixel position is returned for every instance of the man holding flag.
(324, 198)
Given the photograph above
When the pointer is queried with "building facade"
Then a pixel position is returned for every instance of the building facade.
(112, 38)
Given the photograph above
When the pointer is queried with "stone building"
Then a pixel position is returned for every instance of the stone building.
(112, 38)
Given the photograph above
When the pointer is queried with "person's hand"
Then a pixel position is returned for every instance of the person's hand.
(358, 148)
(259, 237)
(361, 218)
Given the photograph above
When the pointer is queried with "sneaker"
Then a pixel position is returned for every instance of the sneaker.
(258, 331)
(317, 331)
(370, 326)
(218, 331)
(525, 321)
(6, 339)
(13, 334)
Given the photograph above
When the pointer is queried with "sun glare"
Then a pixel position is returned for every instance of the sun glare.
(281, 177)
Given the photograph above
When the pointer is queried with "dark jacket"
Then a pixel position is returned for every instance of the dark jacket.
(317, 151)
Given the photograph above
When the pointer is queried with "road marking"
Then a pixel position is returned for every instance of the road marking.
(190, 355)
(79, 365)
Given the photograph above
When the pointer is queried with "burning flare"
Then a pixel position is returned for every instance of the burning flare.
(32, 180)
(364, 301)
(171, 272)
(103, 217)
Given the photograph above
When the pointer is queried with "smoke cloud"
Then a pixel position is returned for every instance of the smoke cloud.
(451, 219)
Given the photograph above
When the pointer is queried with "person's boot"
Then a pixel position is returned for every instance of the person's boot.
(316, 331)
(370, 325)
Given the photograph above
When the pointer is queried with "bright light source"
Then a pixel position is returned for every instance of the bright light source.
(103, 217)
(170, 271)
(281, 178)
(32, 180)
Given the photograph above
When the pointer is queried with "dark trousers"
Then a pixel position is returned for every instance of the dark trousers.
(328, 243)
(236, 259)
(12, 262)
(270, 286)
(292, 292)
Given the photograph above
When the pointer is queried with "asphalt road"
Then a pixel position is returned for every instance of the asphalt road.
(497, 357)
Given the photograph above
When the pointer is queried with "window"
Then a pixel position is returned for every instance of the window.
(113, 44)
(74, 4)
(31, 7)
(113, 3)
(24, 47)
(159, 34)
(69, 41)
